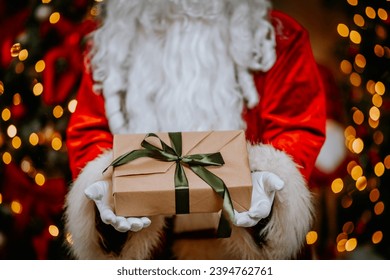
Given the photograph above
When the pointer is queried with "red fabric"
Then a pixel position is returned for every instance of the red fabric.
(290, 115)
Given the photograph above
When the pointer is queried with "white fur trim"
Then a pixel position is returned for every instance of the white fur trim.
(80, 220)
(292, 211)
(285, 232)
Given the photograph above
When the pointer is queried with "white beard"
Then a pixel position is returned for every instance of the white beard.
(175, 66)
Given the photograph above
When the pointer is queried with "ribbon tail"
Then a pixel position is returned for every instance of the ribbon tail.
(182, 194)
(217, 184)
(224, 229)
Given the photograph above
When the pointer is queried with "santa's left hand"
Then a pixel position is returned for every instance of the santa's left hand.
(265, 184)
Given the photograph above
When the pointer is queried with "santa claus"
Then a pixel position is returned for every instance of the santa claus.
(193, 65)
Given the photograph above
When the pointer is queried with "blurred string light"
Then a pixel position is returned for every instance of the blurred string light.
(54, 17)
(365, 176)
(53, 230)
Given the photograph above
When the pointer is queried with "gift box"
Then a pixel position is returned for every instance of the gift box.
(147, 186)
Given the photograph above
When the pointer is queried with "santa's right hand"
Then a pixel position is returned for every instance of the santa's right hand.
(100, 194)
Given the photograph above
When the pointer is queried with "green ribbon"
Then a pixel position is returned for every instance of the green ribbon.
(196, 163)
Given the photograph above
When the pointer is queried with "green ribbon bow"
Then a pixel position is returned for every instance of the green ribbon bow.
(196, 163)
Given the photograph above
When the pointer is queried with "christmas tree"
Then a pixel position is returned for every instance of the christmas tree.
(363, 195)
(41, 44)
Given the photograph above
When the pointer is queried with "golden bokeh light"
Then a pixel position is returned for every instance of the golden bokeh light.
(16, 207)
(23, 55)
(341, 245)
(377, 237)
(58, 111)
(54, 18)
(357, 146)
(40, 179)
(377, 100)
(374, 113)
(379, 208)
(46, 1)
(360, 61)
(382, 14)
(1, 198)
(311, 237)
(53, 230)
(352, 2)
(350, 131)
(370, 12)
(358, 117)
(17, 99)
(56, 143)
(337, 185)
(361, 183)
(372, 123)
(7, 158)
(6, 114)
(374, 195)
(40, 66)
(1, 88)
(379, 51)
(38, 89)
(379, 169)
(33, 139)
(380, 88)
(343, 30)
(370, 86)
(346, 67)
(386, 161)
(16, 142)
(358, 20)
(351, 244)
(341, 236)
(355, 79)
(355, 37)
(356, 172)
(350, 167)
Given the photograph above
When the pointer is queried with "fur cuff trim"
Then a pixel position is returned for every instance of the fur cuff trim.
(284, 235)
(80, 220)
(292, 211)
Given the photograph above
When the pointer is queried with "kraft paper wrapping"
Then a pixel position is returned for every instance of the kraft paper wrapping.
(145, 186)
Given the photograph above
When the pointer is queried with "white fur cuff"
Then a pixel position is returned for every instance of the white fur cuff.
(80, 220)
(292, 211)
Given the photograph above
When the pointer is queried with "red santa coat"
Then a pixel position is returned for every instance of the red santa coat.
(286, 131)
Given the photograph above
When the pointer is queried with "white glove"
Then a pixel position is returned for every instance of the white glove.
(265, 184)
(100, 194)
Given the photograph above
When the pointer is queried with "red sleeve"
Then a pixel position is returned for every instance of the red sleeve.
(88, 134)
(291, 114)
